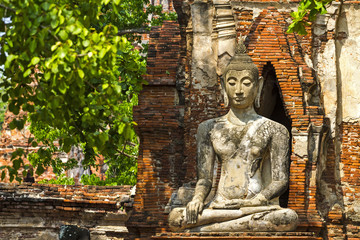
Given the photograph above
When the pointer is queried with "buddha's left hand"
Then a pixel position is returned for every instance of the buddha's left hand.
(258, 200)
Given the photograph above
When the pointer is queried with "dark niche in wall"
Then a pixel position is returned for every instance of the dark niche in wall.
(272, 107)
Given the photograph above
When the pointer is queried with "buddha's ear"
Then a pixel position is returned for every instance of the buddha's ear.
(258, 95)
(223, 90)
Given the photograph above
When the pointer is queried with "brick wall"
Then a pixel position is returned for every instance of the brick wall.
(350, 177)
(160, 127)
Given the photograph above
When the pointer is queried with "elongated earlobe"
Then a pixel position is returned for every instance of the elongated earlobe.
(226, 99)
(257, 102)
(258, 96)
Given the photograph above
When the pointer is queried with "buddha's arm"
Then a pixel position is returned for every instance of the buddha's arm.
(279, 154)
(205, 161)
(205, 168)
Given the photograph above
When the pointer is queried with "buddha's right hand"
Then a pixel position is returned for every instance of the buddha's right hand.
(193, 209)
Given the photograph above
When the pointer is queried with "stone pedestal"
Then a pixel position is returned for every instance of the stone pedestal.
(239, 235)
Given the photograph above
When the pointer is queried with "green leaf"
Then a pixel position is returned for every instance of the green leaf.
(323, 11)
(32, 45)
(62, 87)
(45, 5)
(27, 23)
(71, 28)
(35, 60)
(9, 59)
(27, 72)
(63, 35)
(300, 28)
(3, 174)
(77, 30)
(95, 37)
(86, 43)
(16, 164)
(53, 47)
(102, 53)
(81, 73)
(55, 103)
(61, 53)
(54, 23)
(47, 75)
(103, 137)
(54, 68)
(40, 170)
(61, 19)
(67, 145)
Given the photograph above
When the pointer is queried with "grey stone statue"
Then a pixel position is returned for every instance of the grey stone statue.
(253, 152)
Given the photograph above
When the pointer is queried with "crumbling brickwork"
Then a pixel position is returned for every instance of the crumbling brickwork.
(37, 211)
(159, 114)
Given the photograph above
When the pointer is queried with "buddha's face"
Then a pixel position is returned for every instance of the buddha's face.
(241, 88)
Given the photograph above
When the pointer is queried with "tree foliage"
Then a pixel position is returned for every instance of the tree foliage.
(307, 12)
(3, 107)
(67, 65)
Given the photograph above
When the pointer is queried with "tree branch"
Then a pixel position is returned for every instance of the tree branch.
(131, 143)
(92, 86)
(7, 8)
(125, 154)
(51, 33)
(133, 30)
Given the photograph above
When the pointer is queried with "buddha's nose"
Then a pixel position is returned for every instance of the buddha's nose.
(239, 90)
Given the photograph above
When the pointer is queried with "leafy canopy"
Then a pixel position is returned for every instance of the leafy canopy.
(67, 66)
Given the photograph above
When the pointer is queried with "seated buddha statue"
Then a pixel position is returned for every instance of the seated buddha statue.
(254, 155)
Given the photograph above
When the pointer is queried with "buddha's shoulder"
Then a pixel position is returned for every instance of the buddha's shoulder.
(211, 123)
(272, 126)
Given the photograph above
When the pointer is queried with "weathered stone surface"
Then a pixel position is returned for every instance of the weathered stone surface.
(349, 32)
(204, 64)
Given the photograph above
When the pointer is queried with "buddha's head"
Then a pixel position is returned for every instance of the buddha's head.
(240, 81)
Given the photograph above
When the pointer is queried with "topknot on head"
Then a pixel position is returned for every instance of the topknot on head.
(240, 48)
(241, 61)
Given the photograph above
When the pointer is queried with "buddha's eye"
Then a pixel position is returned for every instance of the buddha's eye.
(232, 82)
(247, 82)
